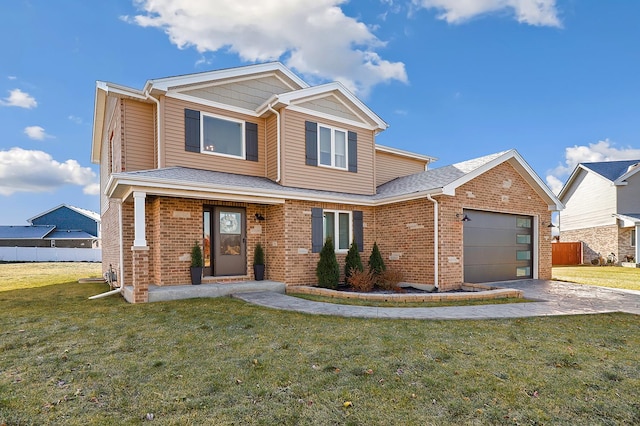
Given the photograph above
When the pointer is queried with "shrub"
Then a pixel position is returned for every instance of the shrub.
(389, 280)
(328, 270)
(196, 256)
(258, 255)
(361, 280)
(352, 262)
(376, 264)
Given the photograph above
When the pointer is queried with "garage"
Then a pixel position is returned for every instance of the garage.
(497, 246)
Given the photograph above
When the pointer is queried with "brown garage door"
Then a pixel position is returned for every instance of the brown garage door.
(497, 247)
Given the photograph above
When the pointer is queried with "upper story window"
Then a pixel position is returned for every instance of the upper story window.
(332, 147)
(328, 146)
(222, 136)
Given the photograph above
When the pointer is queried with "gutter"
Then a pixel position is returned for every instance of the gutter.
(157, 102)
(435, 242)
(270, 108)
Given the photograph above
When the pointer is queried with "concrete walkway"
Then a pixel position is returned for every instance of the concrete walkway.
(553, 298)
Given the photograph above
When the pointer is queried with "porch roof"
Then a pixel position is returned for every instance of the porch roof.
(228, 186)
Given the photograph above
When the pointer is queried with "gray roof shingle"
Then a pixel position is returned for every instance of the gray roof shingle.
(611, 170)
(25, 232)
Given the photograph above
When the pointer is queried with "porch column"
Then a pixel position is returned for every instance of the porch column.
(140, 250)
(637, 258)
(140, 237)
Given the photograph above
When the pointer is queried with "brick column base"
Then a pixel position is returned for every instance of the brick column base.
(140, 274)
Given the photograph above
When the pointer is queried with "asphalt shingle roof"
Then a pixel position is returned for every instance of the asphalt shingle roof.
(611, 170)
(419, 182)
(25, 232)
(70, 235)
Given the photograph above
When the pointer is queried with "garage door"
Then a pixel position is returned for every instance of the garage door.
(497, 247)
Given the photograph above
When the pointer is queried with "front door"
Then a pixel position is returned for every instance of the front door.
(228, 245)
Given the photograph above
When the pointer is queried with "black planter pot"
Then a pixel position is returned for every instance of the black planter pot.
(196, 275)
(258, 272)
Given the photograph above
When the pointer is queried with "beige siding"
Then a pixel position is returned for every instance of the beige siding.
(590, 203)
(174, 153)
(139, 134)
(272, 147)
(332, 106)
(249, 94)
(296, 173)
(390, 166)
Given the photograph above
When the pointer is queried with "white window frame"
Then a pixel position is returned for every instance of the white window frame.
(333, 147)
(232, 120)
(336, 229)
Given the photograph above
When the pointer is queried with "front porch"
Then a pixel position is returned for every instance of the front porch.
(178, 292)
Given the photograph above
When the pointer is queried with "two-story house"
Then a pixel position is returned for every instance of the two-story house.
(234, 157)
(602, 211)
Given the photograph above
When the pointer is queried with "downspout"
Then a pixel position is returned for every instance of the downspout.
(270, 108)
(121, 288)
(148, 96)
(435, 242)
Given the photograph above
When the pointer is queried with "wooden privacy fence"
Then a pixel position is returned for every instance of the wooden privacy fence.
(566, 253)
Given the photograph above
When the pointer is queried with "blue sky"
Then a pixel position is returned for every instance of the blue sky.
(558, 80)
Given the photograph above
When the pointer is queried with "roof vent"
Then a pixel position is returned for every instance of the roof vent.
(633, 167)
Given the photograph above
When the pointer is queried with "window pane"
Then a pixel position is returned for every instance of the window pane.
(222, 136)
(523, 255)
(325, 146)
(343, 237)
(329, 226)
(523, 272)
(341, 149)
(523, 239)
(523, 222)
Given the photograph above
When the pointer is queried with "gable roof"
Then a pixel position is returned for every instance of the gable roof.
(33, 232)
(182, 181)
(88, 213)
(614, 171)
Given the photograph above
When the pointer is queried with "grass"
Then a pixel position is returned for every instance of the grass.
(392, 304)
(605, 276)
(67, 360)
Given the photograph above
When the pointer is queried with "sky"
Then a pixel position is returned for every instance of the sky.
(558, 80)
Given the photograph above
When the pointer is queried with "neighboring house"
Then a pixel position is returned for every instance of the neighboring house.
(230, 158)
(63, 226)
(603, 209)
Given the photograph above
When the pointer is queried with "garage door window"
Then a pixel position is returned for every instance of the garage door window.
(523, 222)
(523, 255)
(523, 239)
(524, 271)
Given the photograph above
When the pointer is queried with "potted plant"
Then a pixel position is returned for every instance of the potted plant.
(197, 264)
(258, 263)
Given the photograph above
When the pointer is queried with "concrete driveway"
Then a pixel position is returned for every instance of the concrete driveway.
(552, 298)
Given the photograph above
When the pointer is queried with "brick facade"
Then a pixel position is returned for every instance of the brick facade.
(404, 233)
(598, 242)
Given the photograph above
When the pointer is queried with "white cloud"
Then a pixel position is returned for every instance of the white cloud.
(36, 133)
(92, 189)
(532, 12)
(594, 152)
(12, 77)
(75, 119)
(20, 99)
(36, 171)
(313, 36)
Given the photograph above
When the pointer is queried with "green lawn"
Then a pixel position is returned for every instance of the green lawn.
(605, 276)
(67, 360)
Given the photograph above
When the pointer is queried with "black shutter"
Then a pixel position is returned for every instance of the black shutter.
(311, 143)
(317, 226)
(358, 235)
(251, 141)
(191, 130)
(353, 152)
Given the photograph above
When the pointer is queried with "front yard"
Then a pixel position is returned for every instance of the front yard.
(67, 360)
(605, 276)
